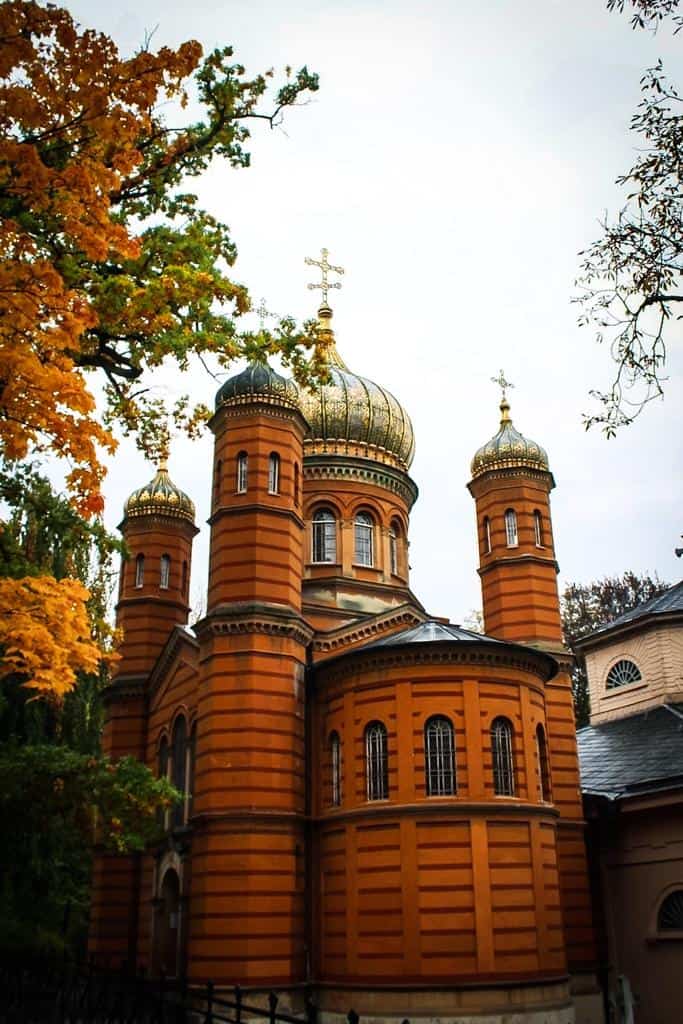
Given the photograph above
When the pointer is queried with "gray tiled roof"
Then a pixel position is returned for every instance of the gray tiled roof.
(670, 601)
(429, 632)
(635, 754)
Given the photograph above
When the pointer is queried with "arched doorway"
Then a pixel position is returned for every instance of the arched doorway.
(167, 929)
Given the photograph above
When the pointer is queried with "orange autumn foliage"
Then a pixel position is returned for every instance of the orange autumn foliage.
(45, 633)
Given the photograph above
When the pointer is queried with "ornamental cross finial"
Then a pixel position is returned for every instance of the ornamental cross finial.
(502, 383)
(262, 313)
(325, 269)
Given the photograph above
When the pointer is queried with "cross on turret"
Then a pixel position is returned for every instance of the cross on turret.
(325, 269)
(502, 383)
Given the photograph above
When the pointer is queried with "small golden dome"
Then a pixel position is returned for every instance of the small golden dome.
(160, 497)
(508, 449)
(350, 415)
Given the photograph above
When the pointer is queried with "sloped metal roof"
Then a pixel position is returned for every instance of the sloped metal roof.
(431, 631)
(670, 601)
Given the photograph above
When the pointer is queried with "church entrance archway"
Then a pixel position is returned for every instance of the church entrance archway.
(167, 931)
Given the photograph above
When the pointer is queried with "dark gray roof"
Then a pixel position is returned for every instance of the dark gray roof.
(431, 631)
(670, 601)
(633, 755)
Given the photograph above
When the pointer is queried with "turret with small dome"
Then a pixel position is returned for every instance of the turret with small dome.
(508, 449)
(160, 497)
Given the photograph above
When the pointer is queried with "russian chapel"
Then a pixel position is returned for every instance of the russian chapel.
(378, 804)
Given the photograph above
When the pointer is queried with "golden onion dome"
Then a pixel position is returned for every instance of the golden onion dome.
(350, 415)
(508, 449)
(160, 497)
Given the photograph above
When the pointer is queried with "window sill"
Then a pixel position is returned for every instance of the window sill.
(615, 691)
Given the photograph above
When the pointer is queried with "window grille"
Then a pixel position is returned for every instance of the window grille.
(273, 473)
(487, 535)
(335, 767)
(364, 530)
(501, 749)
(439, 757)
(393, 550)
(623, 673)
(179, 768)
(139, 570)
(324, 536)
(543, 765)
(376, 762)
(538, 529)
(165, 572)
(511, 528)
(670, 916)
(242, 470)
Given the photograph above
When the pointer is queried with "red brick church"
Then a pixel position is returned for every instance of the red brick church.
(378, 803)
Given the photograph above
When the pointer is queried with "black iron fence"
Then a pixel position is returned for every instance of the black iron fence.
(77, 994)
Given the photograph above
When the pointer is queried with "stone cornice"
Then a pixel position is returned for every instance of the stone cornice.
(339, 467)
(254, 506)
(477, 485)
(519, 559)
(248, 617)
(452, 807)
(152, 520)
(263, 405)
(609, 635)
(123, 688)
(368, 629)
(453, 652)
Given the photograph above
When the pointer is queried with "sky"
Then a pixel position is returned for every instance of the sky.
(456, 159)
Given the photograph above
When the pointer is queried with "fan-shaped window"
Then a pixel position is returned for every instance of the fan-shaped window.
(273, 473)
(439, 757)
(335, 768)
(538, 529)
(670, 916)
(395, 535)
(543, 765)
(501, 749)
(179, 768)
(165, 572)
(511, 537)
(487, 535)
(242, 472)
(622, 673)
(139, 570)
(364, 529)
(324, 536)
(376, 762)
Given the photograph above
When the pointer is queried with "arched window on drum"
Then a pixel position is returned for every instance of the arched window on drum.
(376, 762)
(439, 756)
(503, 763)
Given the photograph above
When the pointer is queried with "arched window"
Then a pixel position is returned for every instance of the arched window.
(324, 536)
(242, 471)
(179, 767)
(439, 757)
(218, 476)
(273, 473)
(165, 572)
(162, 814)
(511, 528)
(376, 762)
(139, 570)
(623, 673)
(335, 768)
(670, 915)
(191, 754)
(394, 534)
(296, 484)
(487, 535)
(122, 576)
(501, 749)
(184, 579)
(538, 529)
(543, 766)
(364, 529)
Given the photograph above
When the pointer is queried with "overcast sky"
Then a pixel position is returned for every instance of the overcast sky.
(456, 159)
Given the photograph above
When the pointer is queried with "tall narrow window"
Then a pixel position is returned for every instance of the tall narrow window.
(165, 572)
(162, 814)
(297, 494)
(487, 535)
(218, 475)
(335, 768)
(179, 768)
(376, 762)
(543, 766)
(511, 528)
(242, 470)
(364, 530)
(324, 536)
(191, 754)
(273, 473)
(501, 749)
(538, 529)
(439, 757)
(393, 549)
(184, 579)
(139, 570)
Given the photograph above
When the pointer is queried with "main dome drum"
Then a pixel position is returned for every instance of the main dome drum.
(351, 415)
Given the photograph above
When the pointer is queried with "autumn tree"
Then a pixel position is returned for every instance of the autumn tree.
(110, 266)
(586, 607)
(630, 278)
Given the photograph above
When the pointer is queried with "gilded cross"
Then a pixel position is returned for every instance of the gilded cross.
(262, 313)
(502, 383)
(325, 269)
